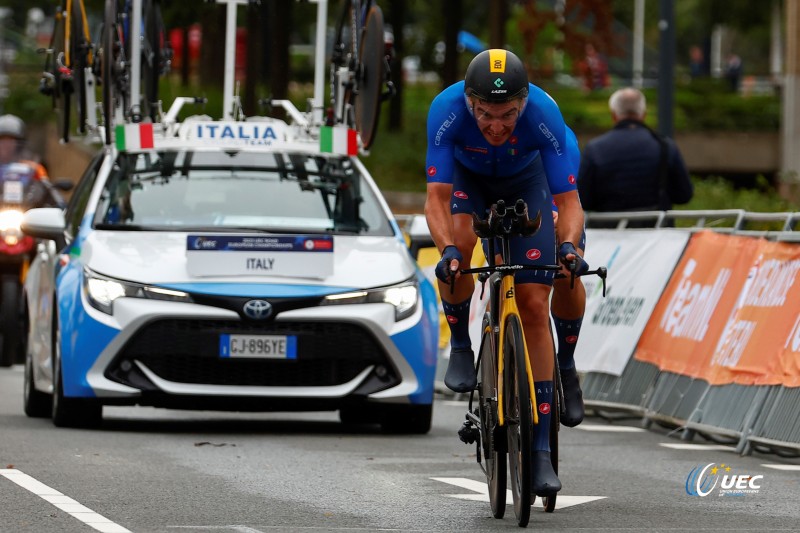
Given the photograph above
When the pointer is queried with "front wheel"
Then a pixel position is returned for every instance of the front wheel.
(70, 412)
(491, 446)
(518, 418)
(35, 403)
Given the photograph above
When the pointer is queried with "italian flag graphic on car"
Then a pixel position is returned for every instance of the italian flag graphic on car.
(134, 136)
(338, 140)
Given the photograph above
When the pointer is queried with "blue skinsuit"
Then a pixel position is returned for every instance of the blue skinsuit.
(533, 164)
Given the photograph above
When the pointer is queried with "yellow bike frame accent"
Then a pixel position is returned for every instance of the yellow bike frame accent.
(508, 307)
(68, 31)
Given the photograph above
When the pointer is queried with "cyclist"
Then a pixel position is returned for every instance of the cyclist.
(492, 136)
(567, 308)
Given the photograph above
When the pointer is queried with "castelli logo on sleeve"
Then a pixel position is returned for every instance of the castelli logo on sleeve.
(544, 408)
(571, 179)
(452, 319)
(460, 194)
(572, 339)
(431, 170)
(533, 254)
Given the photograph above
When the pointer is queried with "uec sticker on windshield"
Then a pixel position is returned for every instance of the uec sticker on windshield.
(248, 255)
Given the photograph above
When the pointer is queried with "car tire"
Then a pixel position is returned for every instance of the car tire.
(36, 404)
(9, 320)
(407, 419)
(70, 412)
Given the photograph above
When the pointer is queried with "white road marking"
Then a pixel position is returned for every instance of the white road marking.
(783, 467)
(610, 429)
(697, 447)
(459, 403)
(65, 503)
(562, 502)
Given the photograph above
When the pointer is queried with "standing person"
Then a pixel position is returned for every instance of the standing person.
(496, 136)
(733, 71)
(631, 167)
(696, 62)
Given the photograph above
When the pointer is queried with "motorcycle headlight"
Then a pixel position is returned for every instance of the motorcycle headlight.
(402, 296)
(10, 220)
(102, 291)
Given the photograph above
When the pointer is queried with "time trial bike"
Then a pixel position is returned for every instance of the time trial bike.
(501, 421)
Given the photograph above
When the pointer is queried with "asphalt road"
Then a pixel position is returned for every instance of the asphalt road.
(150, 470)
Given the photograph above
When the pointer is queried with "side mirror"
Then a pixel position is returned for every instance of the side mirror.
(45, 223)
(418, 234)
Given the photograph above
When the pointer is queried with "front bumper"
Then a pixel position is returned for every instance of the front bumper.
(166, 354)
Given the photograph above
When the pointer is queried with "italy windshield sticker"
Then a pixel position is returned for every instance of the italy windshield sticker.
(303, 256)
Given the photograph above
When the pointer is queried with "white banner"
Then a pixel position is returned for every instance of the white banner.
(640, 263)
(296, 256)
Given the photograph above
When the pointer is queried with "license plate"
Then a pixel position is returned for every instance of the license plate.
(258, 346)
(12, 192)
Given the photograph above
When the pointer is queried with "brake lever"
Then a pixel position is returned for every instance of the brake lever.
(573, 266)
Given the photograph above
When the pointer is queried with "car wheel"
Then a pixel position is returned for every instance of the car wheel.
(9, 319)
(407, 419)
(36, 404)
(70, 412)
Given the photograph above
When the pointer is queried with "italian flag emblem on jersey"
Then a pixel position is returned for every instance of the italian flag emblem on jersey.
(134, 136)
(338, 140)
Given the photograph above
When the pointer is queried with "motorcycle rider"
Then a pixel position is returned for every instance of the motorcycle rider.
(13, 162)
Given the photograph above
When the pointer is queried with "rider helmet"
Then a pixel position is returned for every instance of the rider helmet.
(496, 76)
(12, 126)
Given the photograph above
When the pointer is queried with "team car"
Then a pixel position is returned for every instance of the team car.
(227, 266)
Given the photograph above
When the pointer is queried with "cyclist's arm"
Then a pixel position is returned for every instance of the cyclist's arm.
(570, 217)
(444, 118)
(437, 213)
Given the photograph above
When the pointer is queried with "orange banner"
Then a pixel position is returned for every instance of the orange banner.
(730, 314)
(688, 320)
(759, 343)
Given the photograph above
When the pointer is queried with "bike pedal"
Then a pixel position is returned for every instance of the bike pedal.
(468, 433)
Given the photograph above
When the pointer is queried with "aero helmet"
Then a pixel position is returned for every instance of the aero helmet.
(496, 76)
(12, 126)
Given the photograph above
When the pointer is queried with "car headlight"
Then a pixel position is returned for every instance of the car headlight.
(402, 296)
(102, 291)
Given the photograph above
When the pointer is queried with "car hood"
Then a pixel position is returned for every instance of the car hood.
(161, 259)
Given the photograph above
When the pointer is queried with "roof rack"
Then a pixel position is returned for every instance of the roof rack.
(304, 131)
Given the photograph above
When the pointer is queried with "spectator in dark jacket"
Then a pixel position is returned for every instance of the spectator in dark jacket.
(631, 167)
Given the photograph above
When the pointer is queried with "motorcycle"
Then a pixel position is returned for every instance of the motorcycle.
(20, 191)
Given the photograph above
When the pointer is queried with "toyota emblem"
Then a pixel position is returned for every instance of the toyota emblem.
(257, 309)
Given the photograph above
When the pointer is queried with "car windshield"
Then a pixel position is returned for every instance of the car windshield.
(191, 190)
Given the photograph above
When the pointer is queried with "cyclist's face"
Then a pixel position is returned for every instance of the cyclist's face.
(496, 121)
(8, 149)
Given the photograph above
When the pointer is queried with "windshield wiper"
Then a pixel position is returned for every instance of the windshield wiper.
(127, 227)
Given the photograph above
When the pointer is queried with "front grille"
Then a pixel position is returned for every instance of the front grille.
(187, 351)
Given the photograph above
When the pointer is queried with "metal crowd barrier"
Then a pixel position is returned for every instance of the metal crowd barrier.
(748, 417)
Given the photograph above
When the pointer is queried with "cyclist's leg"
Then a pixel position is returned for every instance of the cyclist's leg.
(567, 307)
(466, 198)
(533, 292)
